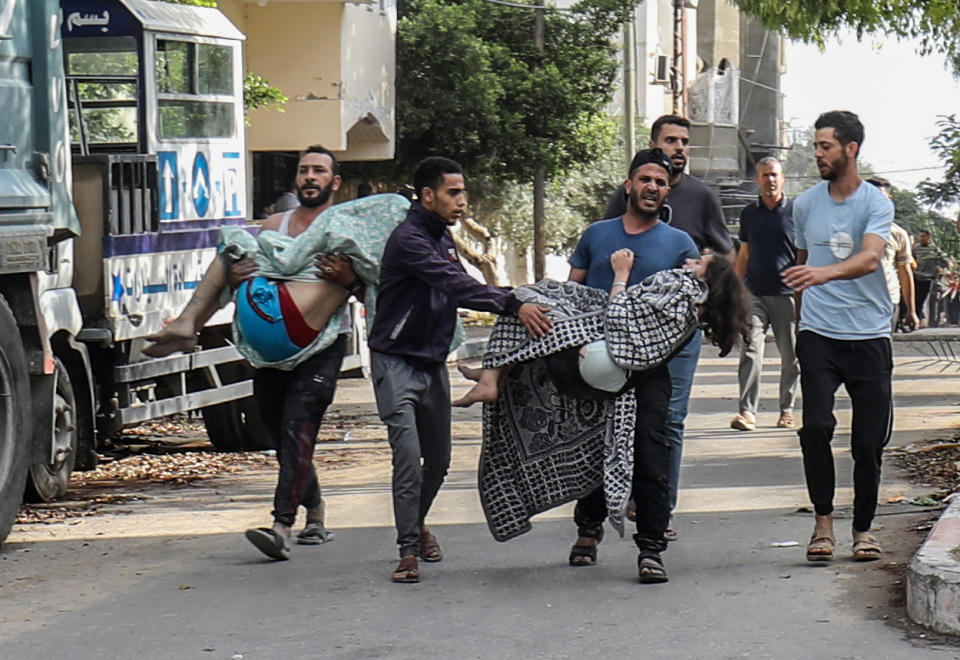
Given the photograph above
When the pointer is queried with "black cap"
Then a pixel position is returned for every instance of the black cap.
(655, 156)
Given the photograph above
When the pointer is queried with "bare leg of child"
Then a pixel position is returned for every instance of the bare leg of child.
(317, 301)
(470, 373)
(181, 333)
(486, 390)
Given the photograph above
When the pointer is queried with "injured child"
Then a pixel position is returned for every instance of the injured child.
(560, 411)
(285, 313)
(638, 328)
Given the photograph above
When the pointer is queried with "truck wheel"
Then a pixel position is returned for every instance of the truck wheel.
(236, 426)
(15, 424)
(47, 482)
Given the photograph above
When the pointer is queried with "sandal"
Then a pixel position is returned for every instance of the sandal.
(583, 555)
(820, 548)
(269, 542)
(651, 569)
(867, 548)
(407, 571)
(429, 548)
(314, 534)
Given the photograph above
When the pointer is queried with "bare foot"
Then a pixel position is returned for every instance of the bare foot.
(470, 373)
(177, 336)
(481, 392)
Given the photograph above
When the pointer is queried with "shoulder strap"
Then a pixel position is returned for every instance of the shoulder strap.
(284, 227)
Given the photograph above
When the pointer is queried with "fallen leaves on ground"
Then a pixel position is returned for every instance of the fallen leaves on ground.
(933, 464)
(154, 453)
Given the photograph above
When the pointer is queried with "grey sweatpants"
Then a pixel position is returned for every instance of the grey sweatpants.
(779, 313)
(414, 402)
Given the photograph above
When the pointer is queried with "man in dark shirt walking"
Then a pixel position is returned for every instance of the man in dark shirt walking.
(422, 283)
(766, 249)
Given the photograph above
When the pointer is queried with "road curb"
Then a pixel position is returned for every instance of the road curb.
(933, 578)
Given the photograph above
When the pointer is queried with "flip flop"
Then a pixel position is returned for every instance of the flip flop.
(314, 534)
(269, 543)
(867, 548)
(820, 548)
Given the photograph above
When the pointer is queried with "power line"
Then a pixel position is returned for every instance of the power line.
(912, 169)
(517, 5)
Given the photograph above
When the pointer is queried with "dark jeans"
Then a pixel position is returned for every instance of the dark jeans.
(651, 452)
(292, 404)
(864, 368)
(921, 291)
(413, 400)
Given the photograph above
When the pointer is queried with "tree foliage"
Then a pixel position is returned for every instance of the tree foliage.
(935, 24)
(946, 145)
(472, 84)
(572, 200)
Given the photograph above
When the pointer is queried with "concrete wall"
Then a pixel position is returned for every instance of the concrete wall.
(718, 33)
(368, 73)
(336, 64)
(761, 103)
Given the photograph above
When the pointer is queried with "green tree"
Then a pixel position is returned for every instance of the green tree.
(946, 145)
(913, 215)
(934, 23)
(471, 82)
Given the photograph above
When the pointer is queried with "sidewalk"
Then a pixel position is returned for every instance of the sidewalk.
(933, 578)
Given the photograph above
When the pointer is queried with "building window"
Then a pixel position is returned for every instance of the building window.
(196, 96)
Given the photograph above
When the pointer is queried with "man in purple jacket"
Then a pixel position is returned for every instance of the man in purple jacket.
(422, 283)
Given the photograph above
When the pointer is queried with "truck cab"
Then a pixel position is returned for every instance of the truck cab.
(122, 155)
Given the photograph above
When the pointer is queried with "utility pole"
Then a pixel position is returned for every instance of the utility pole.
(629, 77)
(539, 178)
(676, 74)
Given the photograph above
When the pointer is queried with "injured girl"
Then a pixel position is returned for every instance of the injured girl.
(640, 327)
(564, 414)
(285, 313)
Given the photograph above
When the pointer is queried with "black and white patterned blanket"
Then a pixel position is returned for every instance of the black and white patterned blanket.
(543, 448)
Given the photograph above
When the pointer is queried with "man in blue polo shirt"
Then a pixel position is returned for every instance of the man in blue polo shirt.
(844, 328)
(766, 249)
(656, 246)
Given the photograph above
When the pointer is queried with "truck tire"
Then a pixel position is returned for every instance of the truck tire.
(47, 482)
(236, 426)
(15, 420)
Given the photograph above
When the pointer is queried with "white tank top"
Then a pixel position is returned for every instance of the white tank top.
(284, 227)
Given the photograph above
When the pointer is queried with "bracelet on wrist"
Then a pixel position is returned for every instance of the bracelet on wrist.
(623, 284)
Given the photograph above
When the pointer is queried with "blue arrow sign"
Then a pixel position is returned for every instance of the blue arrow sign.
(169, 185)
(200, 187)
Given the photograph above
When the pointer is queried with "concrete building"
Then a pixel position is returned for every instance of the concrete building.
(335, 61)
(703, 59)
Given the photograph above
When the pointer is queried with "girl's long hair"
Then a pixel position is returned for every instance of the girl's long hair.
(726, 312)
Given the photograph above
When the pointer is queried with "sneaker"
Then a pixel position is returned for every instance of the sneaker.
(786, 421)
(744, 422)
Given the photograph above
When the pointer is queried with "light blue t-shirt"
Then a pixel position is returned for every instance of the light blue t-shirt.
(831, 232)
(660, 248)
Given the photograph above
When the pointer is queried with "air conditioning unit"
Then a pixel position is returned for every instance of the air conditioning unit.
(661, 70)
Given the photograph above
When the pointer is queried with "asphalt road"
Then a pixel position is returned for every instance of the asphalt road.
(170, 576)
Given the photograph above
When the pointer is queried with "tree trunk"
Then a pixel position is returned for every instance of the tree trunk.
(516, 264)
(484, 262)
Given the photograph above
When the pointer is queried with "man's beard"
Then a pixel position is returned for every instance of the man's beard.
(319, 200)
(633, 199)
(834, 168)
(677, 169)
